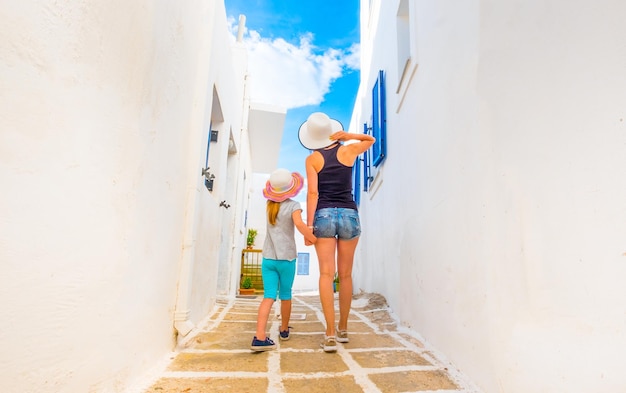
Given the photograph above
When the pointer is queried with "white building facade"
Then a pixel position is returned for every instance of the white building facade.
(492, 207)
(126, 169)
(494, 219)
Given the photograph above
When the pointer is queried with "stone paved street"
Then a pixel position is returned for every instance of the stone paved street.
(380, 357)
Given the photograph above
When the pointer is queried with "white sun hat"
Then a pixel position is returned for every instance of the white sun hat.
(314, 133)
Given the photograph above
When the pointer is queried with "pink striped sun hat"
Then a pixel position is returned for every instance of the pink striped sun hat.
(282, 185)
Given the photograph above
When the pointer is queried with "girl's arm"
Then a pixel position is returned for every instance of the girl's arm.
(309, 237)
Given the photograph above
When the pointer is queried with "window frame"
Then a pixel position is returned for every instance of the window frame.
(303, 263)
(379, 120)
(209, 180)
(367, 178)
(406, 40)
(356, 181)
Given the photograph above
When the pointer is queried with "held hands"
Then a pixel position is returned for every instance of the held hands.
(309, 238)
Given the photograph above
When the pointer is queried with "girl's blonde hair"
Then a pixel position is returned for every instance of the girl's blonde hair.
(272, 211)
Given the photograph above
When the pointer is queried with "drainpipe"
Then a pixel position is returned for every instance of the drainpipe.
(182, 324)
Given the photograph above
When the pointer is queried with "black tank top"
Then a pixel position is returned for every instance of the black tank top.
(334, 182)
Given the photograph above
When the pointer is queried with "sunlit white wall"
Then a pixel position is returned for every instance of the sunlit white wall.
(104, 112)
(496, 226)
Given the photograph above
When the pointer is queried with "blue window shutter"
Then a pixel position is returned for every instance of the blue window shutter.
(366, 162)
(356, 174)
(208, 145)
(379, 121)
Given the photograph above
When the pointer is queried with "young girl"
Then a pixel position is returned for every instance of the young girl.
(279, 252)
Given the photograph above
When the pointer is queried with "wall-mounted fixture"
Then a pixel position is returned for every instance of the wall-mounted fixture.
(224, 204)
(208, 178)
(213, 136)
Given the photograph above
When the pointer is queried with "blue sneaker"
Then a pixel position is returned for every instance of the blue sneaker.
(258, 345)
(284, 335)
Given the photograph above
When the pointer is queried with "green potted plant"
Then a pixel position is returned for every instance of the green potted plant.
(251, 236)
(336, 282)
(246, 286)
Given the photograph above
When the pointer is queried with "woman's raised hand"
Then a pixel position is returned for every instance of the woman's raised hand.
(340, 136)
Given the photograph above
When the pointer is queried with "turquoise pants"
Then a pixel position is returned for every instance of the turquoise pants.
(278, 275)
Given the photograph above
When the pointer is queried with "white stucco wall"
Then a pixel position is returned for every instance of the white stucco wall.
(104, 113)
(502, 194)
(215, 235)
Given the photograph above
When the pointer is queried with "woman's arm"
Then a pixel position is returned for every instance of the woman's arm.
(311, 164)
(349, 152)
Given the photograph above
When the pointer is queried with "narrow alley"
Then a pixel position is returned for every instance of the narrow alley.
(380, 357)
(137, 138)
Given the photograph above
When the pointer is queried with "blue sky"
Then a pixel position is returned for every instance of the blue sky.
(303, 56)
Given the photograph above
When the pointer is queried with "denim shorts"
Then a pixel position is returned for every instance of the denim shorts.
(339, 223)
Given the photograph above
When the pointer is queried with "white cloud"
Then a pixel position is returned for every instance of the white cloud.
(353, 58)
(291, 75)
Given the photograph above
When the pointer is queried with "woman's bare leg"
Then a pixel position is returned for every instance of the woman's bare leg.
(325, 249)
(345, 260)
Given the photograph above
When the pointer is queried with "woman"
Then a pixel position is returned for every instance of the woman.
(333, 212)
(279, 252)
